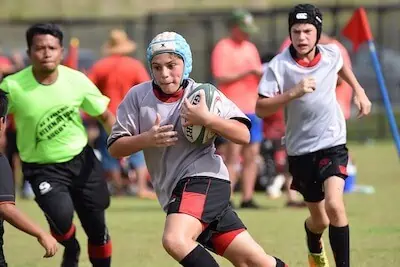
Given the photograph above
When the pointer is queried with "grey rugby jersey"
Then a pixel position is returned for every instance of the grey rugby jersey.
(137, 113)
(313, 121)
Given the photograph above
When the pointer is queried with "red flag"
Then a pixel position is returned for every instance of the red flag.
(71, 60)
(357, 29)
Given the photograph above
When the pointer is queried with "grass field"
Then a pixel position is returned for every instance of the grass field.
(136, 225)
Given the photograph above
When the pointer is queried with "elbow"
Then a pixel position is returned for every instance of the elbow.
(264, 110)
(259, 110)
(5, 209)
(244, 139)
(113, 151)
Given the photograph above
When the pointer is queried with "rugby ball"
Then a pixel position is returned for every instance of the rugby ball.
(196, 133)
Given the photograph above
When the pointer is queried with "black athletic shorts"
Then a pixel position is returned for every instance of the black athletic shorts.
(83, 175)
(207, 199)
(309, 171)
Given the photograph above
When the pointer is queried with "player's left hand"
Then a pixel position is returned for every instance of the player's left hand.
(195, 114)
(363, 104)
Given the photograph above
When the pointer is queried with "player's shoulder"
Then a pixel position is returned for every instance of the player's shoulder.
(329, 49)
(18, 79)
(64, 70)
(140, 90)
(278, 59)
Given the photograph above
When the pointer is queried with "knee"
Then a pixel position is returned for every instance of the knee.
(320, 224)
(335, 209)
(173, 243)
(251, 152)
(262, 260)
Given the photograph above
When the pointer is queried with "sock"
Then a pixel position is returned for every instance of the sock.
(69, 241)
(280, 263)
(100, 255)
(339, 238)
(101, 262)
(199, 257)
(71, 244)
(313, 241)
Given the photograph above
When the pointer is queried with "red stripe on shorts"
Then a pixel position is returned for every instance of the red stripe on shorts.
(192, 204)
(221, 241)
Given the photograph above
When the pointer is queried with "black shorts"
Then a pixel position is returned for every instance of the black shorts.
(309, 171)
(207, 199)
(83, 176)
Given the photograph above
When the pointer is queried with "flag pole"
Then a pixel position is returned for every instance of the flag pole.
(385, 96)
(359, 31)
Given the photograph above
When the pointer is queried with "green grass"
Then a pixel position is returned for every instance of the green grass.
(136, 225)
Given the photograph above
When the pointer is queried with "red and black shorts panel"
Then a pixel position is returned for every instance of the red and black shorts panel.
(207, 199)
(310, 171)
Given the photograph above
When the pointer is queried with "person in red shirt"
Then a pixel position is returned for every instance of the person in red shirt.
(115, 75)
(236, 67)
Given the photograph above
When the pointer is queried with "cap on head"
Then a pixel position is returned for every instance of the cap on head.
(244, 20)
(306, 13)
(171, 42)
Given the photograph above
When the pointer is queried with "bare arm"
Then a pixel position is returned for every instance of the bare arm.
(230, 129)
(360, 99)
(127, 145)
(16, 218)
(19, 220)
(267, 106)
(199, 114)
(157, 136)
(347, 75)
(107, 119)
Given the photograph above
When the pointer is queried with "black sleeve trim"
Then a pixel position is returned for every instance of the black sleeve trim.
(115, 139)
(245, 121)
(262, 96)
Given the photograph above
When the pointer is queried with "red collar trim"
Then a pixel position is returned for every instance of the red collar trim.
(304, 63)
(169, 98)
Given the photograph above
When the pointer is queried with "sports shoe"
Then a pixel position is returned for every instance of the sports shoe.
(318, 259)
(295, 204)
(249, 204)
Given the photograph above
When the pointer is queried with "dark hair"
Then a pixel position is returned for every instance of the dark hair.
(43, 28)
(3, 104)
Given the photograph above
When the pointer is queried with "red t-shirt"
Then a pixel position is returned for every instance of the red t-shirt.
(274, 125)
(115, 75)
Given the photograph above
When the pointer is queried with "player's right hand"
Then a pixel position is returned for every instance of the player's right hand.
(162, 136)
(49, 243)
(305, 86)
